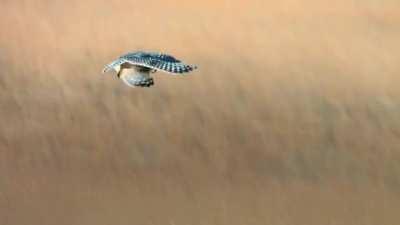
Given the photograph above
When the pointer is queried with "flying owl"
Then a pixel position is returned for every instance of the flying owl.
(134, 68)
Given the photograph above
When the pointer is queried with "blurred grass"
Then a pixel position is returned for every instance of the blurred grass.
(292, 117)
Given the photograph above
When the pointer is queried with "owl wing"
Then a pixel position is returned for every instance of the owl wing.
(114, 65)
(158, 61)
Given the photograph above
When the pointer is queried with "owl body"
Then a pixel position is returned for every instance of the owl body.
(134, 68)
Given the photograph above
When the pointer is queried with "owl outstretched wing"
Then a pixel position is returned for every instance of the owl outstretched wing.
(158, 61)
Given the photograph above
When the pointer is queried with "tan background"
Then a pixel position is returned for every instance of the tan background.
(292, 118)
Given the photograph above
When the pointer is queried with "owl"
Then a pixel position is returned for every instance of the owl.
(134, 68)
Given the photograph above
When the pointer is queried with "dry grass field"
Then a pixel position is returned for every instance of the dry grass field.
(293, 117)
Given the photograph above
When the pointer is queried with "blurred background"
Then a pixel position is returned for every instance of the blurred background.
(293, 116)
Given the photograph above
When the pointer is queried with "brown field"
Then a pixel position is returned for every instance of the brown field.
(293, 117)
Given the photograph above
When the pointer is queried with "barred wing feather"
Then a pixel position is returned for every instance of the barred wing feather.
(157, 61)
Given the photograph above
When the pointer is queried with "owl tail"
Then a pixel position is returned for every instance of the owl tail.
(145, 83)
(138, 81)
